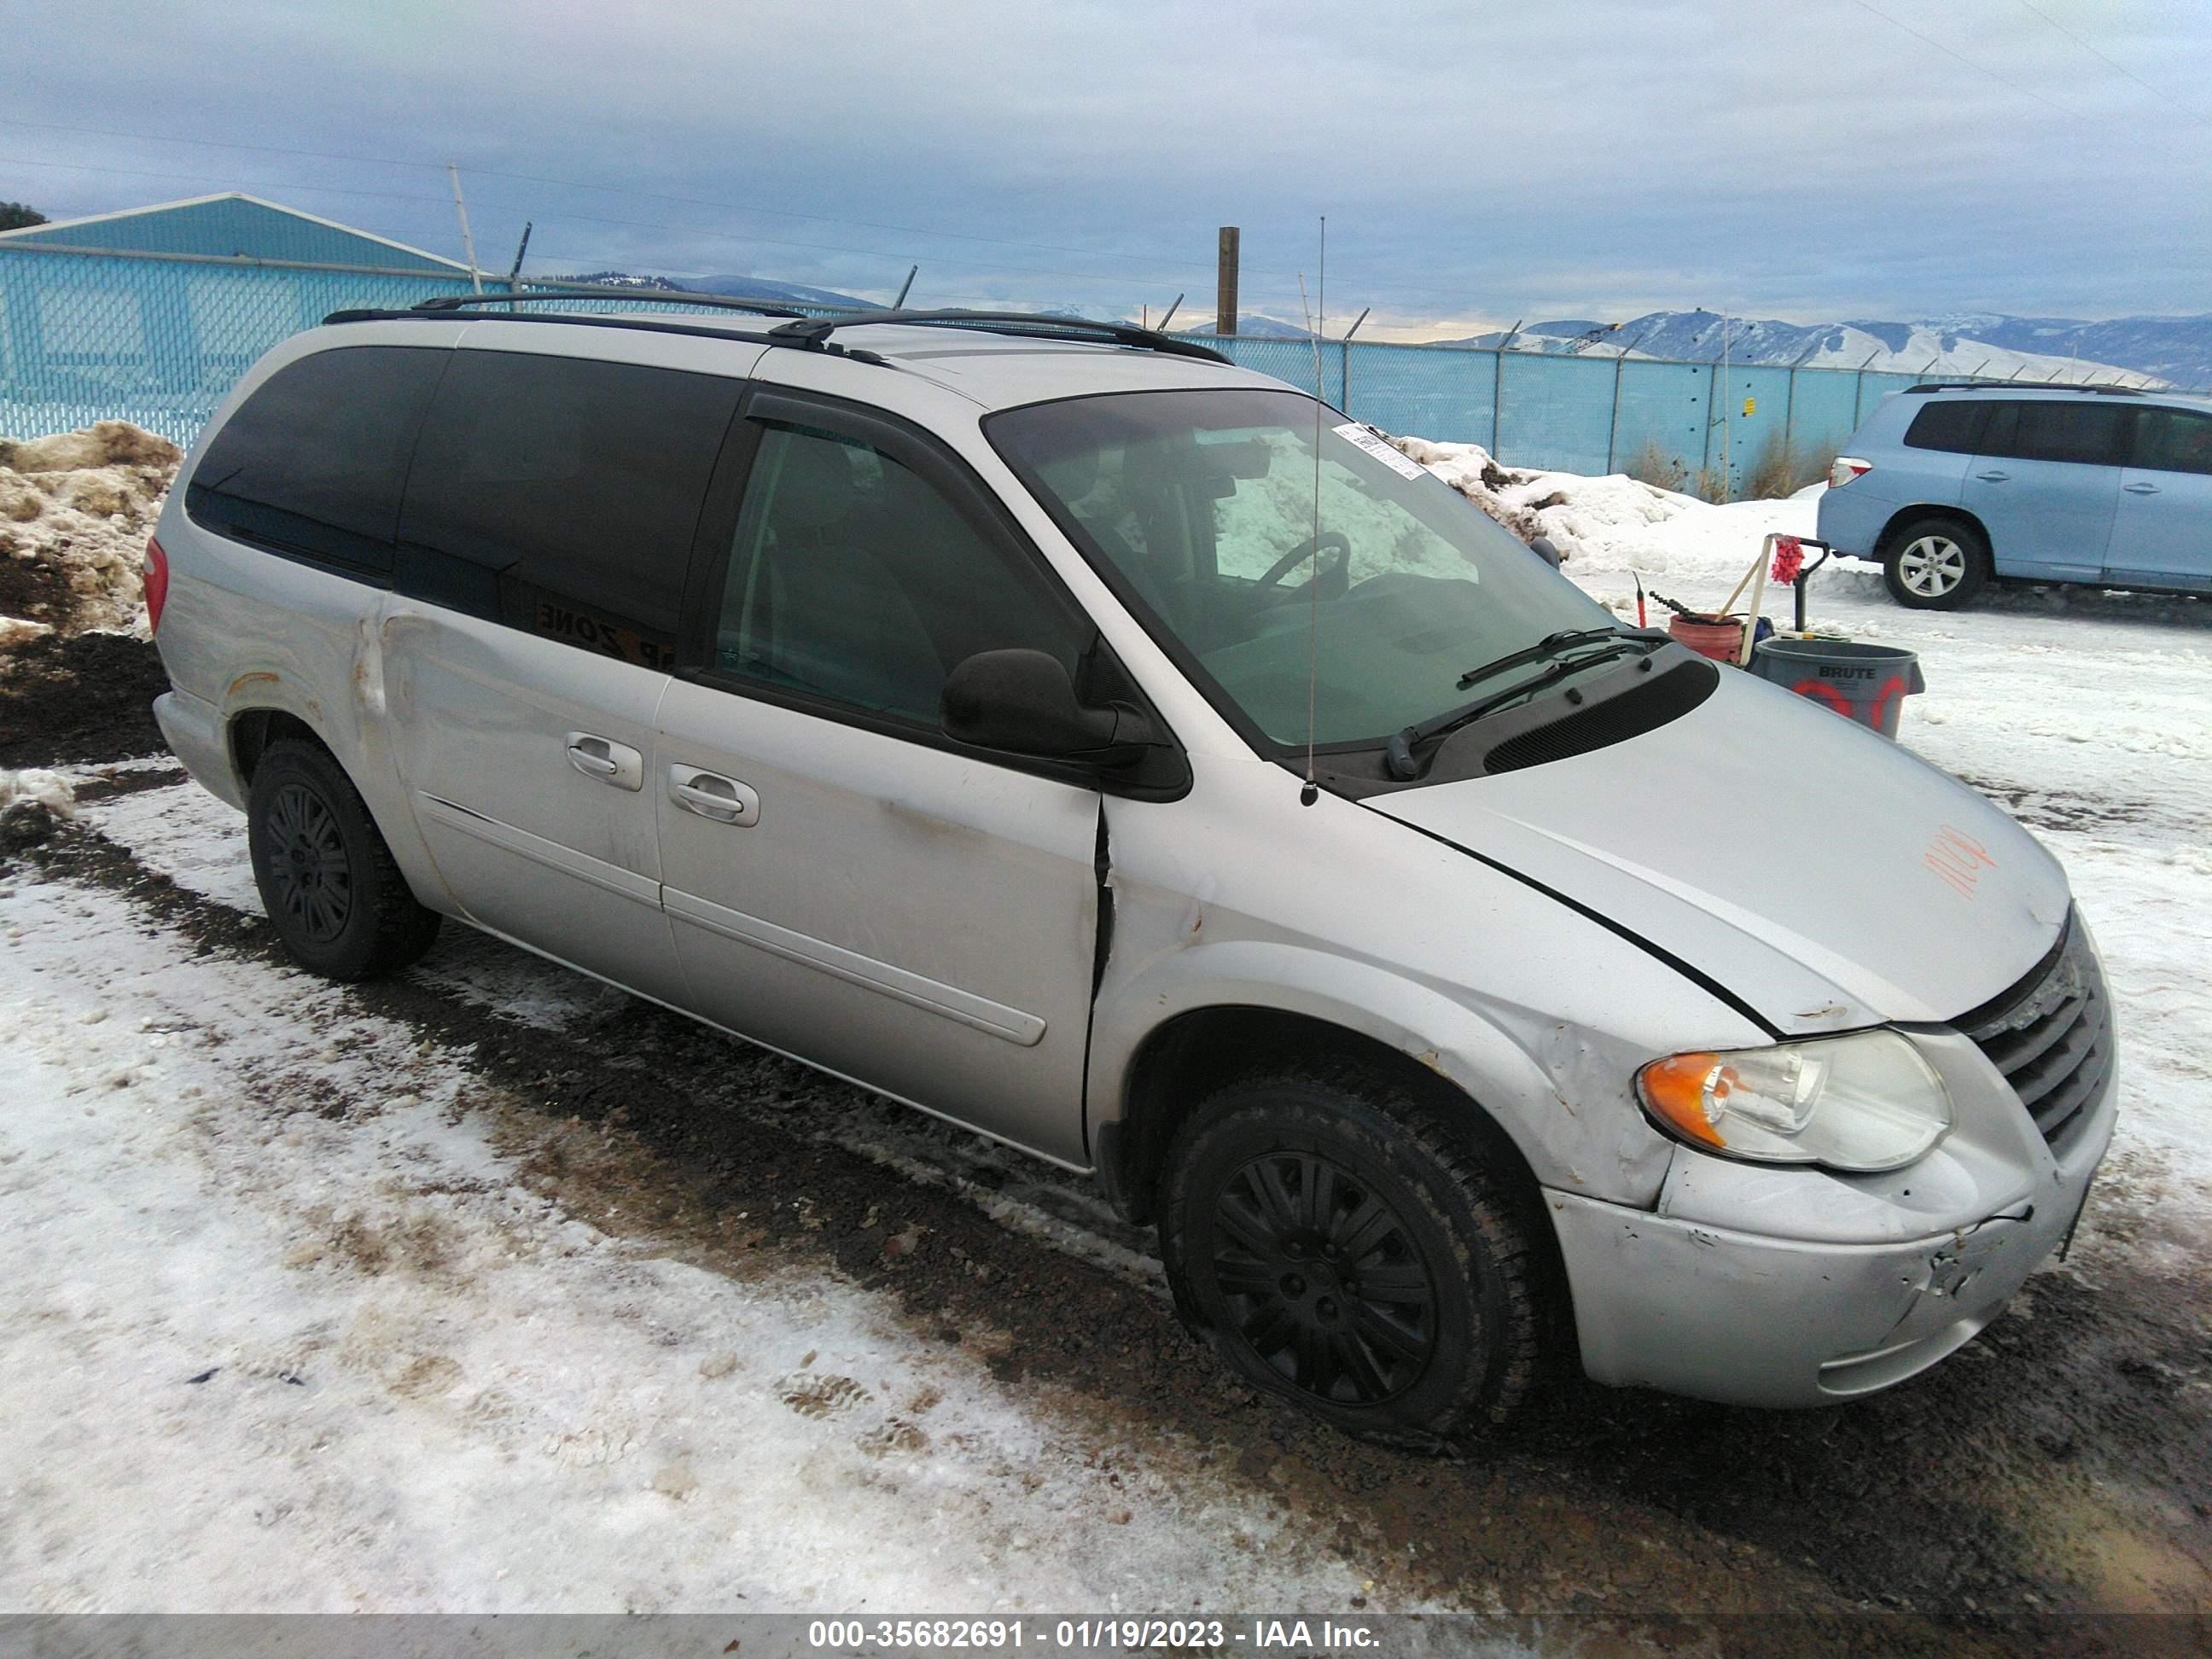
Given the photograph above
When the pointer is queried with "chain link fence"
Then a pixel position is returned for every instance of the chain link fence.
(159, 339)
(1691, 425)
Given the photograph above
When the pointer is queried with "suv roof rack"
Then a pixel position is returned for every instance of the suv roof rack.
(816, 330)
(2027, 386)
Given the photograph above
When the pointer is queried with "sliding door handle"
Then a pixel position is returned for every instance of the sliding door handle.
(711, 795)
(610, 762)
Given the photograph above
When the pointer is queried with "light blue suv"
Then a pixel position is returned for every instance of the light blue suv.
(1947, 486)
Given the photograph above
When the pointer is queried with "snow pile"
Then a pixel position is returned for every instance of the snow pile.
(1616, 523)
(76, 509)
(30, 802)
(50, 790)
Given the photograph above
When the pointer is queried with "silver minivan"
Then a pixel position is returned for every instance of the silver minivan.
(1058, 729)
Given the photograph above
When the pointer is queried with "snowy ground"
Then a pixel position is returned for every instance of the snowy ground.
(491, 1289)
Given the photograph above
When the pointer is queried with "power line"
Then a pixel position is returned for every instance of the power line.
(1283, 285)
(2114, 64)
(1124, 279)
(621, 190)
(1979, 69)
(214, 179)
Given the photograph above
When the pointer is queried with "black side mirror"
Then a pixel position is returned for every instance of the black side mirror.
(1025, 703)
(1547, 550)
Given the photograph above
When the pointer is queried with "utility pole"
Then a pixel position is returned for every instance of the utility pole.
(515, 271)
(1725, 427)
(468, 242)
(1225, 289)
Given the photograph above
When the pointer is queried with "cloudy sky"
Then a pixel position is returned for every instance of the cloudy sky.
(1803, 159)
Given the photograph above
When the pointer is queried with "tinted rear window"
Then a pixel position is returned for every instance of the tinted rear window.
(1955, 425)
(2089, 430)
(2173, 440)
(315, 461)
(560, 495)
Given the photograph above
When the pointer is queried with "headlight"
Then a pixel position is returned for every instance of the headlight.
(1866, 1101)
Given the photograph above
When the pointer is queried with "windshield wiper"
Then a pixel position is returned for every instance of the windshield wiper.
(1550, 645)
(1399, 752)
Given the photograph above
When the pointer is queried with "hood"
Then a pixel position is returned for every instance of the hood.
(1825, 876)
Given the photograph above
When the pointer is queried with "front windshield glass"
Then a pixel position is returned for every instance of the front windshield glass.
(1201, 503)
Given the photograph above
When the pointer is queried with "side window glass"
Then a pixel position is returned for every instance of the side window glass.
(1954, 426)
(2173, 440)
(2087, 430)
(2002, 435)
(315, 461)
(560, 495)
(852, 577)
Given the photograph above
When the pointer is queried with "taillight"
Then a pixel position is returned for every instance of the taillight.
(155, 571)
(1847, 467)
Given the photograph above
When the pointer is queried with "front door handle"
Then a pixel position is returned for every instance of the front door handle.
(2140, 488)
(610, 762)
(1993, 477)
(711, 795)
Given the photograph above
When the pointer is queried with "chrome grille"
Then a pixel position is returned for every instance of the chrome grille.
(2052, 1034)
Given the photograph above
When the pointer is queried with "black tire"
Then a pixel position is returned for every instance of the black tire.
(328, 882)
(1935, 563)
(1432, 1333)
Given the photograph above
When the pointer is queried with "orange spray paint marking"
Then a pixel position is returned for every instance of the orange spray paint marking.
(1893, 692)
(1824, 692)
(1957, 859)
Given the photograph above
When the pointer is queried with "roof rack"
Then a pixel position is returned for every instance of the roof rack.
(816, 330)
(451, 306)
(2022, 386)
(676, 296)
(803, 332)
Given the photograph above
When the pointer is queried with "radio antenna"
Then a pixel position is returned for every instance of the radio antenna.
(1311, 791)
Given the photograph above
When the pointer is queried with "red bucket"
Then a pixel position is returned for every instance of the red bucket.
(1720, 638)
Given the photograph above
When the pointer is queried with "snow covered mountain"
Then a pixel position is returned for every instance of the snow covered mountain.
(2138, 350)
(1252, 327)
(738, 287)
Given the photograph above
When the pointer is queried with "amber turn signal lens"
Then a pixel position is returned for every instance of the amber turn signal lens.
(1675, 1089)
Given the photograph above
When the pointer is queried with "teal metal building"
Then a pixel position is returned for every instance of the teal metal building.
(234, 227)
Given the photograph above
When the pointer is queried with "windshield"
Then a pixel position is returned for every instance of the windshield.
(1199, 506)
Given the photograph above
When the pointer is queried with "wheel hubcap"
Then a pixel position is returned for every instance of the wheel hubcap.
(1322, 1280)
(1932, 566)
(307, 864)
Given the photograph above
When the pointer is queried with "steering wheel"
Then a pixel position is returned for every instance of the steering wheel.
(1332, 580)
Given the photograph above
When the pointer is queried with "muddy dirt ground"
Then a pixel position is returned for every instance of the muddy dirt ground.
(2060, 1465)
(78, 698)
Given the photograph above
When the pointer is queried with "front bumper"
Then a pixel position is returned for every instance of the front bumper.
(1750, 1319)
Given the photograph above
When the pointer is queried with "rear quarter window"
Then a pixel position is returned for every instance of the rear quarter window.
(560, 495)
(2173, 440)
(314, 462)
(1954, 426)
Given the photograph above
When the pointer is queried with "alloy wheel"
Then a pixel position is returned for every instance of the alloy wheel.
(1932, 566)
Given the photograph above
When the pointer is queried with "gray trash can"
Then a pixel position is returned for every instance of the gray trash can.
(1867, 683)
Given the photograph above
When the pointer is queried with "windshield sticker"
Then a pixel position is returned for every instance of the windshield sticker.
(1381, 449)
